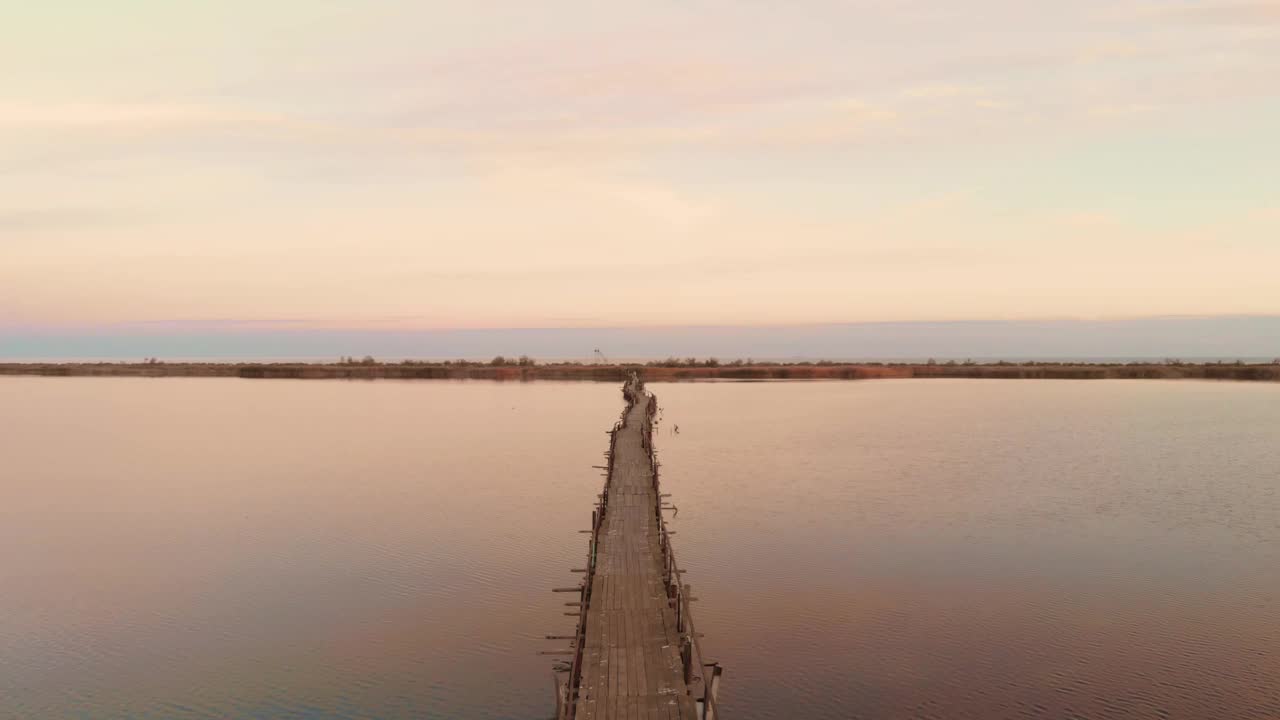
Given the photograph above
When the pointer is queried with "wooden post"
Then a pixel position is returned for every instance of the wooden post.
(685, 657)
(711, 689)
(560, 695)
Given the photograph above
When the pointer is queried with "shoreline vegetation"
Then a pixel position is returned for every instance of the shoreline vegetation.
(525, 368)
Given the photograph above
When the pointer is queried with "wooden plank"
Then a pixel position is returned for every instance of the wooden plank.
(631, 665)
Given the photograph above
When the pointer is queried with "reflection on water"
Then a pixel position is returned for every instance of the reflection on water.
(281, 549)
(219, 548)
(984, 549)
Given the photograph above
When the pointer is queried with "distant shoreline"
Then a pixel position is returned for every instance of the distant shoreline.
(526, 370)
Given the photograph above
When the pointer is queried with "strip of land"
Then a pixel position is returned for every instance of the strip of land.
(689, 370)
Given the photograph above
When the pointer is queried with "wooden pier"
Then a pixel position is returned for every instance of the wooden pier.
(635, 654)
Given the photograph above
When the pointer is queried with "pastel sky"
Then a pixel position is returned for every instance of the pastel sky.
(400, 164)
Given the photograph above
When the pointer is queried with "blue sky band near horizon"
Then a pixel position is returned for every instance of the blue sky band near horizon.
(402, 166)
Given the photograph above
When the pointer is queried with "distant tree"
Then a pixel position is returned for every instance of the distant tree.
(368, 360)
(525, 361)
(932, 362)
(498, 360)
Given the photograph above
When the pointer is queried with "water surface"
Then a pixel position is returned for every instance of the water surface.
(213, 548)
(984, 548)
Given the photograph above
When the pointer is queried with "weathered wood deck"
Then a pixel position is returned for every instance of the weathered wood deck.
(635, 654)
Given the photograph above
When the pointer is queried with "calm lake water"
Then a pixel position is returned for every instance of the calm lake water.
(220, 548)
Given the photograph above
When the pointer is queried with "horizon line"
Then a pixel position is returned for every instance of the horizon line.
(297, 324)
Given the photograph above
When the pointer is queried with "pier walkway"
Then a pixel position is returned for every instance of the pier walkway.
(635, 653)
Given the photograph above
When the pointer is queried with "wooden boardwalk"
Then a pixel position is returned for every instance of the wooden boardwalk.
(635, 654)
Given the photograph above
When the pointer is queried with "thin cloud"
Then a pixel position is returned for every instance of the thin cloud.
(830, 120)
(718, 266)
(131, 116)
(57, 218)
(933, 92)
(1220, 13)
(215, 322)
(1121, 110)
